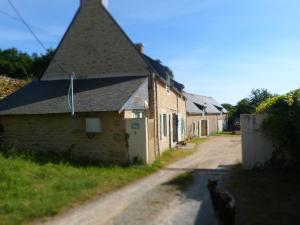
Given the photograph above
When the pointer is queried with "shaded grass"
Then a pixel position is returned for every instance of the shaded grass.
(169, 157)
(182, 181)
(225, 133)
(29, 190)
(197, 140)
(268, 197)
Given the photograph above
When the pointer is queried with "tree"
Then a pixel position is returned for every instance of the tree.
(258, 96)
(17, 64)
(228, 107)
(247, 105)
(40, 62)
(14, 63)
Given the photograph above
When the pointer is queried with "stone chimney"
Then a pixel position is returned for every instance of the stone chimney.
(104, 2)
(140, 47)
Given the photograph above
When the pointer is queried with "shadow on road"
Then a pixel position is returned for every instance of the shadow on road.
(196, 201)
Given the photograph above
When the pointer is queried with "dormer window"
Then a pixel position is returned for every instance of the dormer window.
(168, 82)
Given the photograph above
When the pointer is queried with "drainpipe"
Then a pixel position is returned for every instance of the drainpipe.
(156, 109)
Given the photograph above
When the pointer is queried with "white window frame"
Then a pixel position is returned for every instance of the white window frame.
(137, 114)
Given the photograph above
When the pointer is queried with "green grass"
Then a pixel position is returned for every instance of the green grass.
(225, 133)
(197, 140)
(266, 197)
(30, 190)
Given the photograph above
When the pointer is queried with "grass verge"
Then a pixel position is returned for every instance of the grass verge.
(266, 197)
(197, 140)
(31, 190)
(225, 133)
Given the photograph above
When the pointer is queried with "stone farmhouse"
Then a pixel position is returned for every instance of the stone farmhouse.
(205, 116)
(122, 106)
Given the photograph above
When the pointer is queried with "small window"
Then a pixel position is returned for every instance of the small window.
(93, 125)
(168, 80)
(137, 115)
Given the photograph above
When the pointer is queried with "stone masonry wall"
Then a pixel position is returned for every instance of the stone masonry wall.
(168, 102)
(60, 133)
(94, 46)
(213, 123)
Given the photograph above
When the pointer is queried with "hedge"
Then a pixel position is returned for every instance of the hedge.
(282, 125)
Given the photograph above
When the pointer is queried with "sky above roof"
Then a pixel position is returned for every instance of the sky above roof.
(219, 48)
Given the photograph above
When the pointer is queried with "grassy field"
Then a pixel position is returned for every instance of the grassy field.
(31, 190)
(266, 197)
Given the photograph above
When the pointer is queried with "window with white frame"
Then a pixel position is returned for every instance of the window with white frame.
(137, 115)
(165, 125)
(93, 125)
(161, 123)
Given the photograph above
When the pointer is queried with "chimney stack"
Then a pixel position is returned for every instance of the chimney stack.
(140, 47)
(104, 2)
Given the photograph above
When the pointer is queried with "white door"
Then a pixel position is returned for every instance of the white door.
(179, 120)
(220, 125)
(171, 129)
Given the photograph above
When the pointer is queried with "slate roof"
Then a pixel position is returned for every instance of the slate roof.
(164, 71)
(197, 104)
(91, 95)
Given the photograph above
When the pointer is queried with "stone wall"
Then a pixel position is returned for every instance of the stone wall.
(168, 101)
(213, 122)
(95, 46)
(61, 133)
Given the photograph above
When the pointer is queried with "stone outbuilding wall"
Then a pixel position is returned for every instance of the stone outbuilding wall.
(194, 124)
(61, 133)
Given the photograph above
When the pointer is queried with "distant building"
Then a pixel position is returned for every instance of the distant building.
(205, 116)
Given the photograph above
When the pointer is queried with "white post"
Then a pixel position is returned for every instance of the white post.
(72, 94)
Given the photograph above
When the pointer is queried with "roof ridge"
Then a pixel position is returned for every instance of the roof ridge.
(199, 95)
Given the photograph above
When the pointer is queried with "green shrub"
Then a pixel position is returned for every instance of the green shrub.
(282, 125)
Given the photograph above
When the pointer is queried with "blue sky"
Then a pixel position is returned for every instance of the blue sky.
(221, 48)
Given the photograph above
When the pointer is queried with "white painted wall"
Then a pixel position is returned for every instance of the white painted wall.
(138, 139)
(256, 147)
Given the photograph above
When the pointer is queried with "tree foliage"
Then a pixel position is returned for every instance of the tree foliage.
(20, 65)
(282, 125)
(247, 105)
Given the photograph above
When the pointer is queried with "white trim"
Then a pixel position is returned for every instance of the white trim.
(161, 121)
(171, 129)
(139, 87)
(167, 123)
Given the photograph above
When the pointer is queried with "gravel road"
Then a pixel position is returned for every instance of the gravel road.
(151, 201)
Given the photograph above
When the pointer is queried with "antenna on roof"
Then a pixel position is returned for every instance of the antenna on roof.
(71, 94)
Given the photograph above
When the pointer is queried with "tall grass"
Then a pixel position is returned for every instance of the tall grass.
(31, 190)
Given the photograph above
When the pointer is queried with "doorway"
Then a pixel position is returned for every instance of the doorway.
(204, 128)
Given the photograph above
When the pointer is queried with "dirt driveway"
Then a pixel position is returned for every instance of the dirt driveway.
(152, 201)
